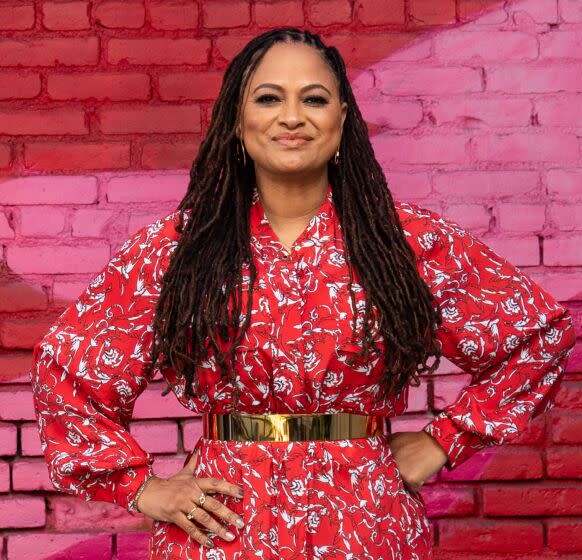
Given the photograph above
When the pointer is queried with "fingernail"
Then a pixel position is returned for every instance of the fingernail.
(239, 523)
(241, 492)
(229, 536)
(209, 544)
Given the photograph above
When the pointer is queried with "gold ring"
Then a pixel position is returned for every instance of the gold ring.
(202, 498)
(189, 516)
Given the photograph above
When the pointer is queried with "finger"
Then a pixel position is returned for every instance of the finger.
(202, 515)
(192, 462)
(214, 485)
(218, 509)
(193, 531)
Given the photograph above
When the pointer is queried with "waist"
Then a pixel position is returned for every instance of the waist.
(290, 427)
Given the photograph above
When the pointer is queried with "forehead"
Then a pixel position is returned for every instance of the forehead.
(288, 63)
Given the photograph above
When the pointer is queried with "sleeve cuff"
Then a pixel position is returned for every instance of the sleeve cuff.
(126, 491)
(458, 444)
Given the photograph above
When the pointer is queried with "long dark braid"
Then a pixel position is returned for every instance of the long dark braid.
(205, 270)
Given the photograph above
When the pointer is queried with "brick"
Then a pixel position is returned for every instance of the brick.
(505, 462)
(547, 499)
(569, 395)
(15, 85)
(22, 333)
(64, 293)
(4, 155)
(534, 78)
(565, 183)
(225, 13)
(559, 111)
(566, 426)
(408, 186)
(66, 16)
(189, 85)
(18, 512)
(8, 437)
(522, 217)
(565, 217)
(428, 149)
(141, 219)
(560, 44)
(447, 388)
(66, 120)
(15, 367)
(156, 437)
(39, 221)
(474, 217)
(132, 546)
(4, 476)
(71, 513)
(542, 11)
(160, 50)
(157, 119)
(520, 251)
(89, 222)
(380, 12)
(48, 546)
(179, 155)
(17, 17)
(192, 430)
(168, 465)
(490, 536)
(562, 250)
(427, 12)
(6, 228)
(281, 13)
(175, 15)
(563, 286)
(49, 190)
(16, 404)
(564, 462)
(30, 440)
(564, 535)
(570, 11)
(152, 405)
(392, 114)
(526, 147)
(143, 188)
(490, 45)
(448, 501)
(476, 13)
(53, 156)
(30, 475)
(19, 296)
(433, 81)
(485, 184)
(110, 86)
(70, 51)
(471, 112)
(329, 12)
(121, 14)
(62, 259)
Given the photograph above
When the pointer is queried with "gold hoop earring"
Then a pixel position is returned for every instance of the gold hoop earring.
(336, 157)
(243, 153)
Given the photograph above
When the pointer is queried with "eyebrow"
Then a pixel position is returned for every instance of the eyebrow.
(305, 88)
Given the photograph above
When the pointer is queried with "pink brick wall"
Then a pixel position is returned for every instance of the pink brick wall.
(475, 110)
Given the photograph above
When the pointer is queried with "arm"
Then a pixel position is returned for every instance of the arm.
(509, 333)
(87, 372)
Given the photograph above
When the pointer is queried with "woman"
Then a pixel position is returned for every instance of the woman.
(292, 301)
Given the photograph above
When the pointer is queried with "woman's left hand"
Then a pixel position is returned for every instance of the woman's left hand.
(418, 456)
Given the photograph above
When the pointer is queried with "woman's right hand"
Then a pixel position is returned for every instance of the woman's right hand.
(171, 499)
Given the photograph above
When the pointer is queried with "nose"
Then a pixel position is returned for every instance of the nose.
(291, 113)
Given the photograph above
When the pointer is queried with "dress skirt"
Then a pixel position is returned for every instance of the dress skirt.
(304, 500)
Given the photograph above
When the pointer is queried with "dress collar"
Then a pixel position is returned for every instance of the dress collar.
(315, 233)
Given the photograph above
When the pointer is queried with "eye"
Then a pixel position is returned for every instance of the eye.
(317, 98)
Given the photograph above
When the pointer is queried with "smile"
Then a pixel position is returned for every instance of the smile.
(292, 141)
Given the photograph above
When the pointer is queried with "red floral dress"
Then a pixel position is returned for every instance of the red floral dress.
(331, 500)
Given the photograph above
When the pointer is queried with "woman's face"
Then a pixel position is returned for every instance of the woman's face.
(291, 103)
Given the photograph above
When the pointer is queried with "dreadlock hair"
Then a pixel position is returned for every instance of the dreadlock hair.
(205, 270)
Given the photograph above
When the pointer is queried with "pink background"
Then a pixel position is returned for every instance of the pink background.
(474, 109)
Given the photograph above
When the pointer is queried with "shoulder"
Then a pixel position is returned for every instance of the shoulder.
(426, 230)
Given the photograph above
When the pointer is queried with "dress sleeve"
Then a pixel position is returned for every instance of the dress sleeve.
(511, 335)
(87, 373)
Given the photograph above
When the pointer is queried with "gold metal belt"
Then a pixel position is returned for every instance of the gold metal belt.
(290, 427)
